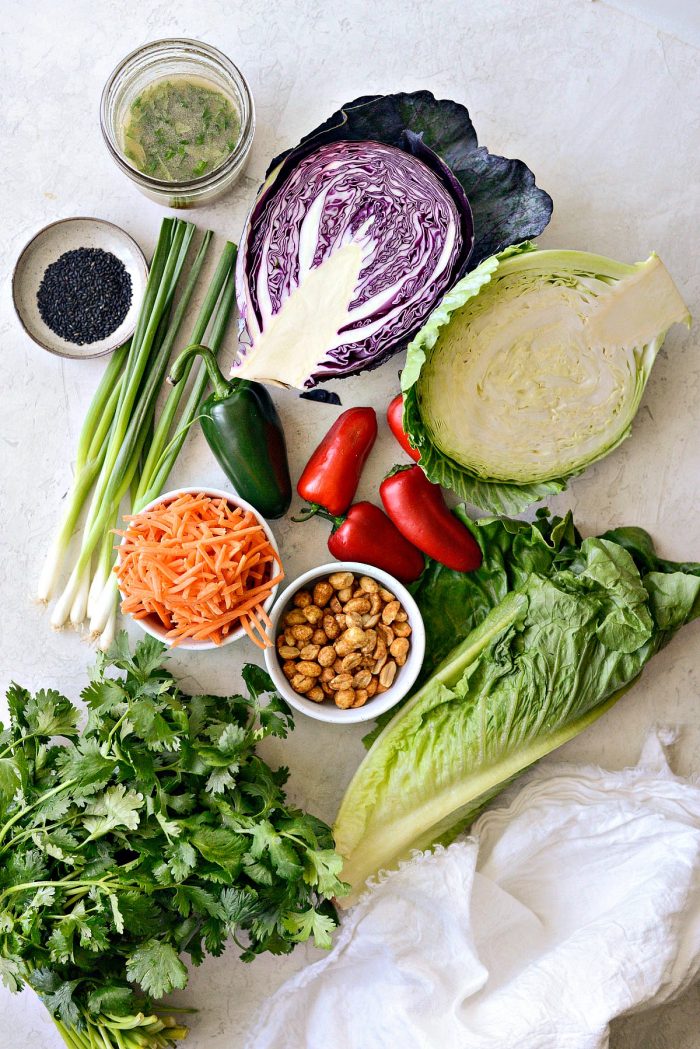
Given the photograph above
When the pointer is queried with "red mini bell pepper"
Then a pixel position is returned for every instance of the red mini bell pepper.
(421, 514)
(332, 474)
(366, 534)
(394, 416)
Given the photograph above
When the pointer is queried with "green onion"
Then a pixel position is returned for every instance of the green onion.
(121, 450)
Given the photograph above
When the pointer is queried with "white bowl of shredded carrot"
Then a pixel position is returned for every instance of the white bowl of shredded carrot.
(199, 568)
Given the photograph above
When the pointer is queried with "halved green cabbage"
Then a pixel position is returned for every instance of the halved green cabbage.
(531, 368)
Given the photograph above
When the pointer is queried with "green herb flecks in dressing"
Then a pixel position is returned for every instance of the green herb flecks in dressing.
(180, 128)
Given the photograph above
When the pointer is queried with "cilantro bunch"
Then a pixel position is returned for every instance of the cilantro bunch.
(154, 832)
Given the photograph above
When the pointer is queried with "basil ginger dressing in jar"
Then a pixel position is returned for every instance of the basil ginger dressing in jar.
(180, 128)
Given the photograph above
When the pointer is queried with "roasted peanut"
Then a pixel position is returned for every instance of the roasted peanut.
(340, 620)
(280, 640)
(301, 684)
(369, 620)
(354, 636)
(401, 629)
(335, 605)
(341, 681)
(351, 662)
(361, 697)
(372, 687)
(387, 674)
(327, 690)
(386, 595)
(345, 594)
(288, 651)
(310, 651)
(289, 638)
(358, 604)
(340, 580)
(308, 668)
(370, 642)
(296, 616)
(313, 614)
(330, 627)
(401, 616)
(327, 674)
(338, 665)
(319, 637)
(289, 669)
(301, 633)
(302, 598)
(345, 698)
(380, 650)
(399, 650)
(386, 633)
(316, 694)
(389, 612)
(370, 586)
(326, 656)
(352, 619)
(362, 679)
(323, 592)
(375, 604)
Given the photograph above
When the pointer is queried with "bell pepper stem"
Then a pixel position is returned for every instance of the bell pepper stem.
(222, 387)
(308, 512)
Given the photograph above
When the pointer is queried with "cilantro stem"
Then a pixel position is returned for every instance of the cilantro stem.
(40, 801)
(87, 883)
(20, 742)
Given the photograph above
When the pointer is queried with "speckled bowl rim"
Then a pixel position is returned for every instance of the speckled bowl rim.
(138, 255)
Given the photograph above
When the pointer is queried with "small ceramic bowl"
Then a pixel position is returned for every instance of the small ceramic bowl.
(327, 711)
(46, 247)
(151, 624)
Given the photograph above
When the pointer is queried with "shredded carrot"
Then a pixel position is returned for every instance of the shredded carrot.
(200, 567)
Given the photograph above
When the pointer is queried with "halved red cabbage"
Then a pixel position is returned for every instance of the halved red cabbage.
(405, 210)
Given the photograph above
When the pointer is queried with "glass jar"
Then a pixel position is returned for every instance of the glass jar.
(177, 58)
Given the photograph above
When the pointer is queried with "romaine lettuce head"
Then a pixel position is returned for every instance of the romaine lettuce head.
(532, 367)
(550, 632)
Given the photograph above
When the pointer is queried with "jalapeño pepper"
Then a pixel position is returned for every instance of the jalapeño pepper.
(245, 434)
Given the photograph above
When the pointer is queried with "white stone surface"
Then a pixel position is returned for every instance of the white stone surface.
(604, 108)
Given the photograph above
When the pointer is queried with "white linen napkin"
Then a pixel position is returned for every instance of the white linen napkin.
(577, 902)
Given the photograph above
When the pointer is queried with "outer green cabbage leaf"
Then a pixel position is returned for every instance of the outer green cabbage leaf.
(571, 626)
(531, 368)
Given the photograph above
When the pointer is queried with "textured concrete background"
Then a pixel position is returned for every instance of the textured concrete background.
(604, 108)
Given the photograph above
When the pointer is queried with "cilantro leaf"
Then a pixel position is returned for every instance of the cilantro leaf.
(115, 807)
(220, 846)
(257, 680)
(85, 764)
(114, 999)
(48, 713)
(322, 868)
(9, 777)
(310, 923)
(181, 859)
(156, 967)
(10, 972)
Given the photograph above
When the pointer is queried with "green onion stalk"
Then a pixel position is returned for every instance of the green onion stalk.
(121, 451)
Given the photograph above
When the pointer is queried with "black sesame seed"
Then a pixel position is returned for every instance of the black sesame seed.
(84, 295)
